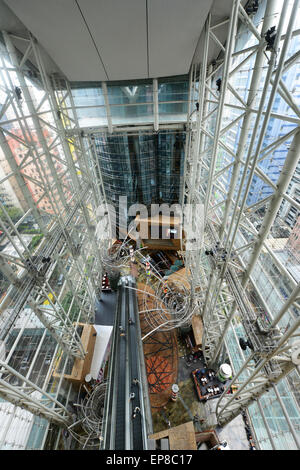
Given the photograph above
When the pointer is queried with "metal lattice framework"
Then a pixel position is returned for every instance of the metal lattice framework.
(52, 162)
(219, 175)
(118, 256)
(22, 392)
(60, 191)
(89, 420)
(166, 304)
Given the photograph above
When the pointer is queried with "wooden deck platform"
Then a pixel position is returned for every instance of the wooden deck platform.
(181, 437)
(161, 353)
(179, 277)
(197, 326)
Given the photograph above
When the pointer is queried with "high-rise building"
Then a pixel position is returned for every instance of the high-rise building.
(294, 240)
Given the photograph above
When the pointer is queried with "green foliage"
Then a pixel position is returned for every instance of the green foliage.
(35, 241)
(66, 302)
(14, 213)
(26, 229)
(4, 284)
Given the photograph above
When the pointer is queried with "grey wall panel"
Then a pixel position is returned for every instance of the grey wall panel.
(60, 29)
(94, 40)
(174, 30)
(119, 30)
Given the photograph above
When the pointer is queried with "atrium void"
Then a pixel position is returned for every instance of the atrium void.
(150, 226)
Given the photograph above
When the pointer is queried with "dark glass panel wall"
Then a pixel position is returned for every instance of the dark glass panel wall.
(170, 165)
(173, 98)
(147, 168)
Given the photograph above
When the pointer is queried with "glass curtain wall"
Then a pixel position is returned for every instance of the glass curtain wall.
(130, 103)
(146, 168)
(277, 269)
(48, 264)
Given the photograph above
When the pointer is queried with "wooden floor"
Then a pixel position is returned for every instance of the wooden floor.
(197, 326)
(181, 437)
(161, 355)
(179, 277)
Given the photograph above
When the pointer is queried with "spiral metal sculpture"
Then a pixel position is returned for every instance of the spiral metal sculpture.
(90, 410)
(167, 304)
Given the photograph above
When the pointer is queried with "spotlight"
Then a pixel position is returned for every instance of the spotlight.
(244, 344)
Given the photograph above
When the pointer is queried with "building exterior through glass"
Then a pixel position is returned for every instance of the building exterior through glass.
(67, 148)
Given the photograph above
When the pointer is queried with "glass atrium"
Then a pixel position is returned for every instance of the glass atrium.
(225, 136)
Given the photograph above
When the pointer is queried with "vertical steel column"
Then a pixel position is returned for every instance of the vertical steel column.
(27, 398)
(285, 177)
(239, 207)
(20, 180)
(250, 167)
(29, 142)
(260, 382)
(290, 301)
(155, 103)
(245, 128)
(65, 144)
(282, 184)
(290, 424)
(35, 118)
(107, 106)
(227, 63)
(266, 425)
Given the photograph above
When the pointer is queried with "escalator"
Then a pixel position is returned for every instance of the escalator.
(125, 426)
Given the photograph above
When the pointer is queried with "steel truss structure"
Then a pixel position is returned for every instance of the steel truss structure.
(219, 176)
(171, 305)
(87, 428)
(61, 191)
(52, 162)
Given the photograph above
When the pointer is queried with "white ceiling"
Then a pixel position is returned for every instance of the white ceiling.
(95, 40)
